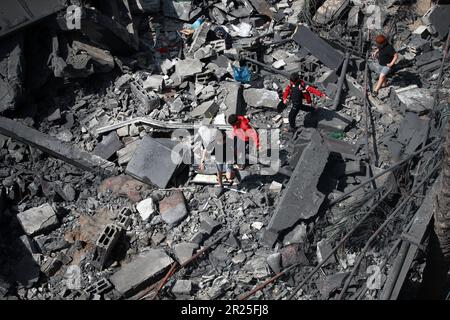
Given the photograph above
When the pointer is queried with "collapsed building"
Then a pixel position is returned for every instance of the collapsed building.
(98, 200)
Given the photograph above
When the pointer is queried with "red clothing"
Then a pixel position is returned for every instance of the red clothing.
(244, 131)
(306, 95)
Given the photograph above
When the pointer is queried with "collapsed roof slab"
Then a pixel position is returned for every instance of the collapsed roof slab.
(55, 147)
(318, 47)
(301, 199)
(153, 162)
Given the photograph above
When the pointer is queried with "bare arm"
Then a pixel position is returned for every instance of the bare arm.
(394, 60)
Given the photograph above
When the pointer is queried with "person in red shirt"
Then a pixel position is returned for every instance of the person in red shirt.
(243, 130)
(297, 90)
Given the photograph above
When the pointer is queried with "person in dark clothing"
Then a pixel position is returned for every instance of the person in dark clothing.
(387, 57)
(297, 90)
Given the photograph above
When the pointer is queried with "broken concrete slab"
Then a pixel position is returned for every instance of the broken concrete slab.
(146, 208)
(188, 67)
(199, 37)
(301, 199)
(153, 162)
(173, 208)
(207, 109)
(234, 100)
(184, 251)
(332, 121)
(109, 145)
(141, 270)
(437, 18)
(412, 99)
(104, 31)
(297, 235)
(261, 98)
(182, 288)
(412, 132)
(318, 47)
(55, 147)
(208, 225)
(38, 220)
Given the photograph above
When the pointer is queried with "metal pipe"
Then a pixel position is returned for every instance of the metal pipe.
(337, 97)
(378, 231)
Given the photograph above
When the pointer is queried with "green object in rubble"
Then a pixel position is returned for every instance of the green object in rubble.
(338, 135)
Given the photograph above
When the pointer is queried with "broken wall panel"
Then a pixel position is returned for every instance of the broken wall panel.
(154, 162)
(55, 147)
(301, 199)
(318, 47)
(100, 29)
(15, 14)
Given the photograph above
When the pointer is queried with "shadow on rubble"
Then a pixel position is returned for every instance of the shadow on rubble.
(17, 264)
(406, 78)
(436, 281)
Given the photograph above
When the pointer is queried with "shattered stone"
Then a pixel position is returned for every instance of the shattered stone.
(182, 288)
(188, 67)
(184, 251)
(109, 145)
(173, 208)
(143, 268)
(297, 235)
(208, 225)
(261, 98)
(38, 220)
(412, 99)
(274, 262)
(146, 208)
(323, 249)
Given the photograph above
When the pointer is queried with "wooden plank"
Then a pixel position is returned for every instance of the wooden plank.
(55, 147)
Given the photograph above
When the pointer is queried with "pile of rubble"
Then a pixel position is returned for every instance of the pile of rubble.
(98, 200)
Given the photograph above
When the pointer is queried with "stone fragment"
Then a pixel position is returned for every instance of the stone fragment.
(261, 98)
(38, 220)
(146, 208)
(173, 208)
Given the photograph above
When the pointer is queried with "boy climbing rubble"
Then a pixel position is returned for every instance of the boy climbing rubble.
(296, 91)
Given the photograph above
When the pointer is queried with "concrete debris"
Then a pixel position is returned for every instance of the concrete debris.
(146, 208)
(182, 288)
(102, 187)
(301, 199)
(144, 267)
(184, 251)
(318, 47)
(412, 99)
(261, 98)
(38, 220)
(173, 208)
(149, 162)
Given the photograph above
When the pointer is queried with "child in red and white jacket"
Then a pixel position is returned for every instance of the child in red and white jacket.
(297, 90)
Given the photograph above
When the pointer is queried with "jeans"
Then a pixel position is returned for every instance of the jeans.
(376, 67)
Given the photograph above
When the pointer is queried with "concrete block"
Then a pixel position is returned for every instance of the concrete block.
(182, 288)
(105, 244)
(38, 220)
(144, 268)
